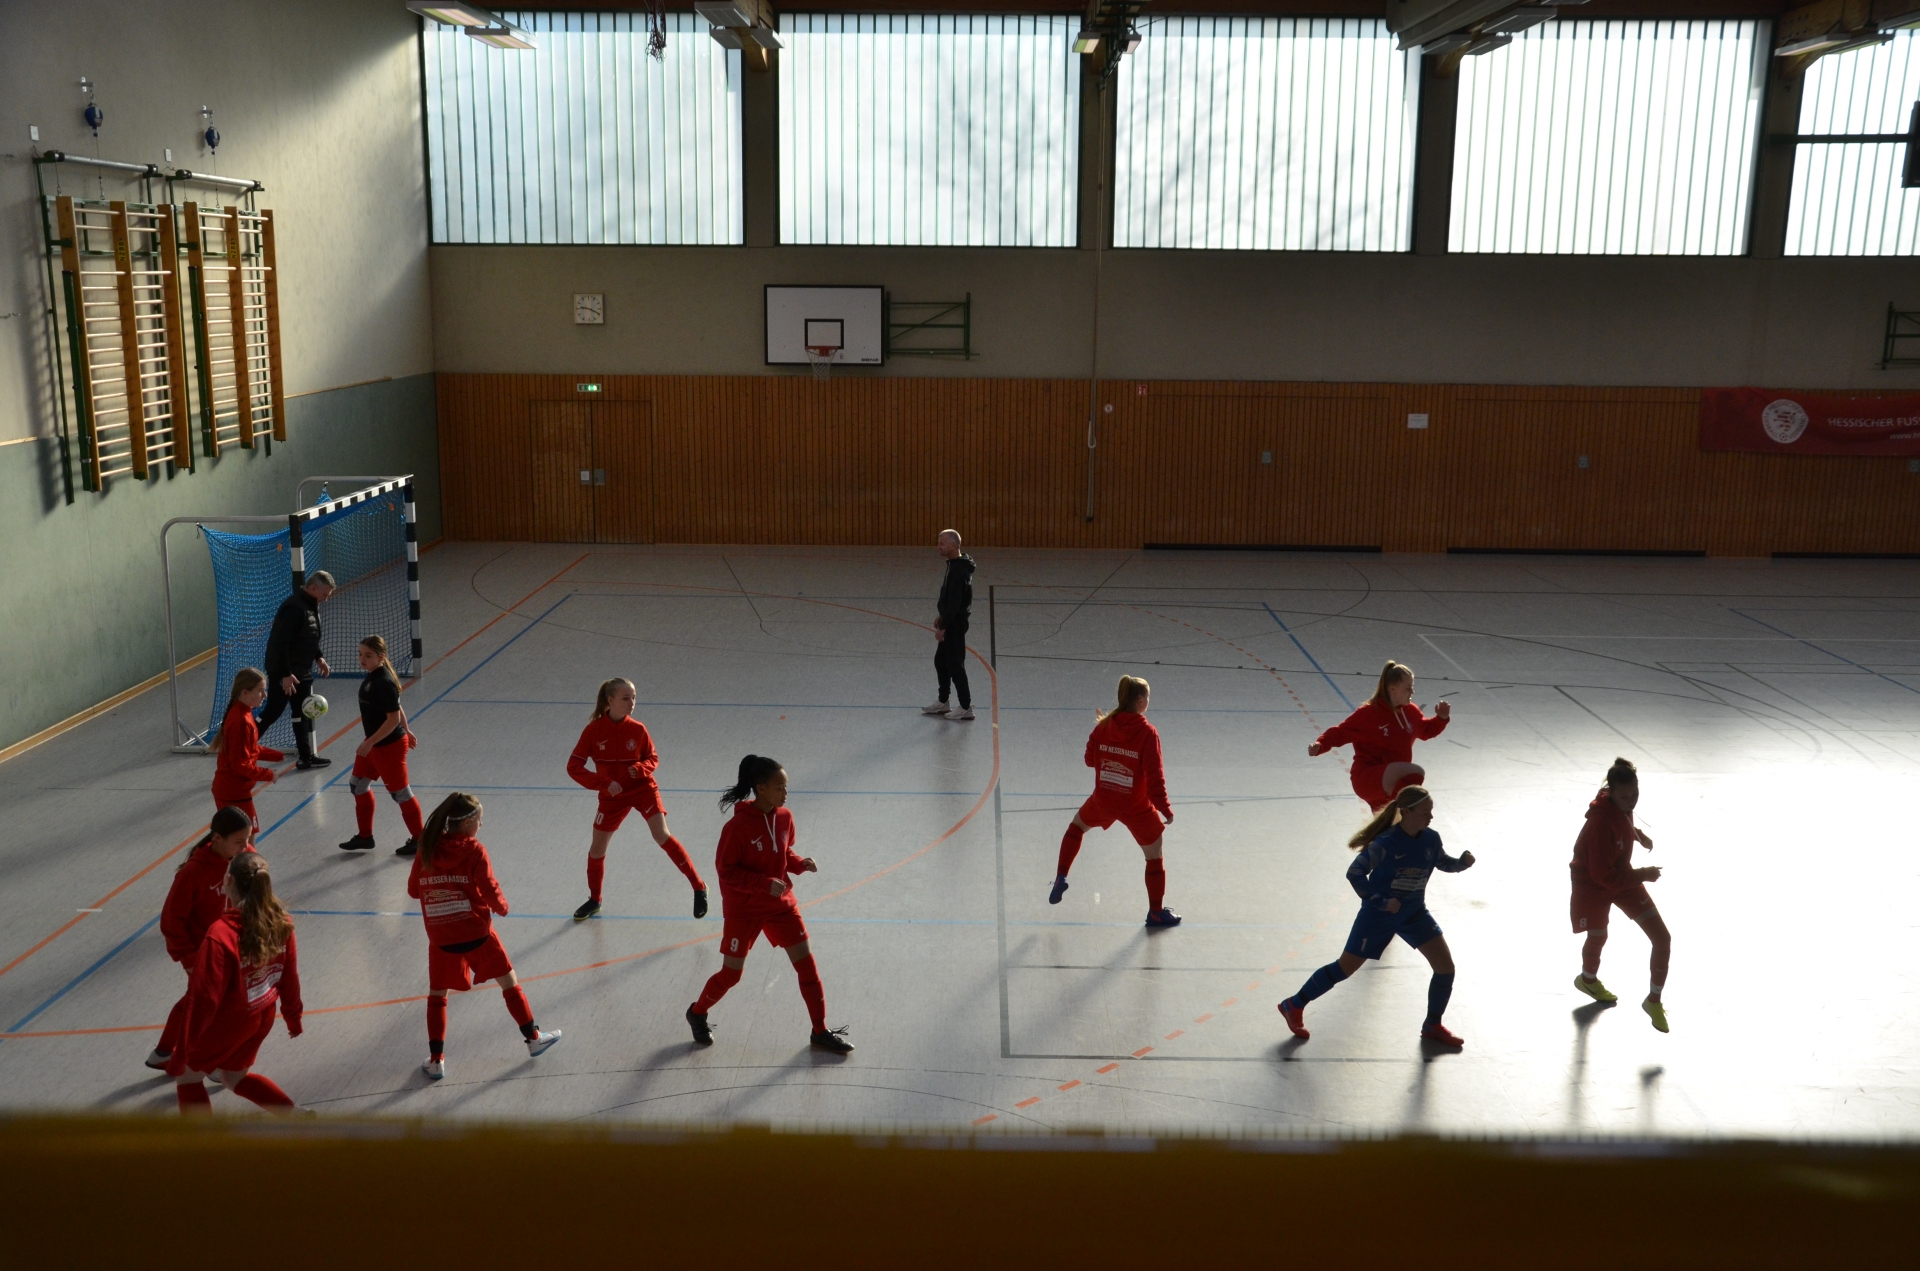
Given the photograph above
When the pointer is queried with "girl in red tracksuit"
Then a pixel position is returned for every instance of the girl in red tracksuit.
(237, 749)
(453, 880)
(623, 758)
(1604, 877)
(246, 968)
(1382, 733)
(197, 898)
(1130, 787)
(382, 754)
(757, 862)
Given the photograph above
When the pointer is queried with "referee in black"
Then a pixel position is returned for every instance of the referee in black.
(293, 651)
(954, 608)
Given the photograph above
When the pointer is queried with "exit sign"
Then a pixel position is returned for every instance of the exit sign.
(586, 388)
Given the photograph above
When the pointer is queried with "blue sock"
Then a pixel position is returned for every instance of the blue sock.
(1439, 991)
(1319, 982)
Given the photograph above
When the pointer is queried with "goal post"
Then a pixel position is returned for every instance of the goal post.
(364, 538)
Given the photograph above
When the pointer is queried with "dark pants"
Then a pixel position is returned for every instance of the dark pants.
(950, 664)
(278, 701)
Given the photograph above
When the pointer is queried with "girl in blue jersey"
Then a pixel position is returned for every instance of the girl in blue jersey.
(1399, 851)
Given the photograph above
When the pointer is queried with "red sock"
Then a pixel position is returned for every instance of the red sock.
(257, 1089)
(519, 1007)
(193, 1098)
(363, 814)
(717, 985)
(436, 1025)
(410, 813)
(812, 991)
(1156, 885)
(175, 1032)
(596, 870)
(684, 863)
(1069, 848)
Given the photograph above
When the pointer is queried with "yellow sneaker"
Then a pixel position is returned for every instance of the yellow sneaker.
(1655, 1012)
(1594, 989)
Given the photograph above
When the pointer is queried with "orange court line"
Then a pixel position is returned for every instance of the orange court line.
(99, 904)
(1070, 1085)
(1204, 1018)
(1175, 1033)
(991, 1116)
(1108, 1068)
(1027, 1103)
(1143, 1050)
(1230, 1001)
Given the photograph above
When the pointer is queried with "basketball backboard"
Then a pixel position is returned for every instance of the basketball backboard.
(847, 318)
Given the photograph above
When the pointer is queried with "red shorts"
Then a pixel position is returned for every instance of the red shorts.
(614, 807)
(226, 1049)
(1591, 907)
(458, 972)
(1098, 813)
(1370, 783)
(388, 762)
(783, 926)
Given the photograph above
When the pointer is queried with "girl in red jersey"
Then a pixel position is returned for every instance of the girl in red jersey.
(621, 751)
(246, 968)
(453, 880)
(383, 752)
(1382, 733)
(1130, 787)
(757, 862)
(237, 749)
(198, 896)
(1604, 876)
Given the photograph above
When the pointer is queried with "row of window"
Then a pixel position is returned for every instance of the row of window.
(1296, 134)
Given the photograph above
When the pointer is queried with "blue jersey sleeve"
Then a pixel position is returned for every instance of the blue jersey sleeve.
(1441, 861)
(1360, 873)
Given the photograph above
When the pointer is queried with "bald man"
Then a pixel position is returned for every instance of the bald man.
(950, 628)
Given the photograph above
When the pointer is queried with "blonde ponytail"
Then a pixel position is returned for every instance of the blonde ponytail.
(1385, 818)
(1132, 689)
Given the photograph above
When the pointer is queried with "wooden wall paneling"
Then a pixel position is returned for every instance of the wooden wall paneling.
(622, 446)
(560, 454)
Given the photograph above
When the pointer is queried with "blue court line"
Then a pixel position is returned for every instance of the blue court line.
(345, 770)
(1829, 652)
(1303, 648)
(75, 982)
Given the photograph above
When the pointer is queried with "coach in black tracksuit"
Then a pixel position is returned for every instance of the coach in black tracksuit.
(293, 650)
(950, 628)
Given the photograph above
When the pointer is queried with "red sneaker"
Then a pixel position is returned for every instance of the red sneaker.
(1433, 1032)
(1294, 1015)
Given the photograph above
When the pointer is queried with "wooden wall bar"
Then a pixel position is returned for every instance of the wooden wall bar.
(783, 459)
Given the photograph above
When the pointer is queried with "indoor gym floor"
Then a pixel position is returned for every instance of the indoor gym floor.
(1774, 708)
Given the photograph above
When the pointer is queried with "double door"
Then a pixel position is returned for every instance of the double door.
(592, 472)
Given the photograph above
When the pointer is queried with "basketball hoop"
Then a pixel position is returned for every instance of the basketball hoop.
(822, 357)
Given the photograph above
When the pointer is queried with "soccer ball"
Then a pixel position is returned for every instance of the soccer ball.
(314, 707)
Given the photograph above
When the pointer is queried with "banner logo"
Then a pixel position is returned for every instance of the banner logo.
(1784, 421)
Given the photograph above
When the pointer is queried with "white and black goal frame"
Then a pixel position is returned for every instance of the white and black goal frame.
(190, 741)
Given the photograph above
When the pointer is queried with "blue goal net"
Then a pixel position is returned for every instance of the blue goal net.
(364, 547)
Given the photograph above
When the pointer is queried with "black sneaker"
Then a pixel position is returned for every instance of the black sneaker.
(314, 761)
(586, 911)
(702, 1031)
(358, 843)
(830, 1039)
(700, 902)
(407, 848)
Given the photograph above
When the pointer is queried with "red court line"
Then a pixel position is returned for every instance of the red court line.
(993, 680)
(1107, 1069)
(1027, 1103)
(991, 1116)
(1143, 1050)
(1070, 1085)
(69, 925)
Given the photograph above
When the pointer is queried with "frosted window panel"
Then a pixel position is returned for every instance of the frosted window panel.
(948, 130)
(1847, 199)
(585, 139)
(1286, 134)
(1627, 138)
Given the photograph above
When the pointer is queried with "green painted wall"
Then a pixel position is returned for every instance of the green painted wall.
(82, 617)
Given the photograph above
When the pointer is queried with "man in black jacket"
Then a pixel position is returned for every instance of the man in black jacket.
(950, 628)
(293, 650)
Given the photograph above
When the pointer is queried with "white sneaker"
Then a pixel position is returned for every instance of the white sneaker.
(159, 1059)
(435, 1067)
(962, 713)
(541, 1043)
(938, 708)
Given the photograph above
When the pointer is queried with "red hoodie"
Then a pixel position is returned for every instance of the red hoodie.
(1603, 854)
(237, 771)
(756, 846)
(621, 750)
(195, 901)
(456, 891)
(1381, 735)
(228, 999)
(1124, 750)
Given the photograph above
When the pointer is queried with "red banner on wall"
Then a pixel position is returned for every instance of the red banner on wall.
(1779, 422)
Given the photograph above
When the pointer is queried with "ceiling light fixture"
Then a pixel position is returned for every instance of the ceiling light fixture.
(504, 36)
(454, 14)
